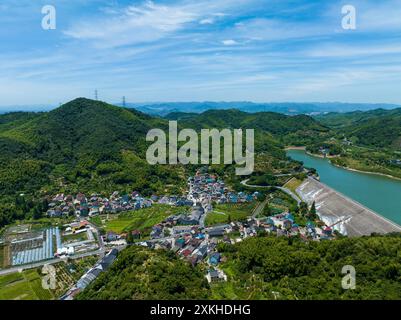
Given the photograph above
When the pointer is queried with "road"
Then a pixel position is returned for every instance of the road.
(287, 191)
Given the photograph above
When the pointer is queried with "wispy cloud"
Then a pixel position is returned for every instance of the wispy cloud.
(229, 42)
(134, 24)
(200, 50)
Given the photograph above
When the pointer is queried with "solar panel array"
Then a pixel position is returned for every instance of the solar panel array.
(37, 254)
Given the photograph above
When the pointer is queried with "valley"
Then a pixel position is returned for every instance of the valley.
(197, 218)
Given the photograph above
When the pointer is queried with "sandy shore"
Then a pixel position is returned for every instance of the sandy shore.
(294, 148)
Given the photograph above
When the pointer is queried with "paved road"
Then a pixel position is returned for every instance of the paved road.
(287, 191)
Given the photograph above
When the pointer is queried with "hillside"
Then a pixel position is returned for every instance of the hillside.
(144, 274)
(90, 146)
(377, 128)
(297, 130)
(83, 144)
(258, 267)
(299, 270)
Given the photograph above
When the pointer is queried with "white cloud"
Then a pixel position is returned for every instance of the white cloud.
(147, 22)
(229, 42)
(206, 21)
(135, 24)
(336, 50)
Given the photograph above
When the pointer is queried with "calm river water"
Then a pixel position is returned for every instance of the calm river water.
(376, 192)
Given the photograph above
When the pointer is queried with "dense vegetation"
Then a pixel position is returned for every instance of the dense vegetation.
(90, 146)
(82, 146)
(366, 141)
(260, 267)
(289, 130)
(141, 273)
(377, 128)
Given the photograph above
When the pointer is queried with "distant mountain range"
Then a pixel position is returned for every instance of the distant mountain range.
(162, 109)
(289, 108)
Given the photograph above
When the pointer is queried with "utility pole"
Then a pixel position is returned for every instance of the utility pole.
(124, 101)
(96, 96)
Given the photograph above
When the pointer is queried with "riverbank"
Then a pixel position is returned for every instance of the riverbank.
(294, 148)
(368, 172)
(338, 166)
(379, 193)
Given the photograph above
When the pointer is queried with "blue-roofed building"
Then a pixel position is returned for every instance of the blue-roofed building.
(214, 258)
(289, 216)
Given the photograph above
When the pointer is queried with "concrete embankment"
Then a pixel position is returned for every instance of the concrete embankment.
(349, 217)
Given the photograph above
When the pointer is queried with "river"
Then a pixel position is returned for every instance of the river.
(379, 193)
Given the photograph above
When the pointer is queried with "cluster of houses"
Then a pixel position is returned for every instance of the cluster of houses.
(283, 224)
(195, 244)
(80, 205)
(396, 162)
(208, 186)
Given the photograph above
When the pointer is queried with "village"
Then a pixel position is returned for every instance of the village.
(187, 236)
(185, 233)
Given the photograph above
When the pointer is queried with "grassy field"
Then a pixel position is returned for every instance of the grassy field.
(23, 286)
(142, 220)
(75, 237)
(1, 256)
(224, 213)
(27, 285)
(293, 184)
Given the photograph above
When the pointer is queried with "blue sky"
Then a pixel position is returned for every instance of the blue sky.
(256, 50)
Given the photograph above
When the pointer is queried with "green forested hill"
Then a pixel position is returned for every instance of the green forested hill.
(84, 145)
(298, 270)
(82, 126)
(298, 130)
(8, 120)
(340, 119)
(260, 268)
(91, 146)
(377, 128)
(143, 274)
